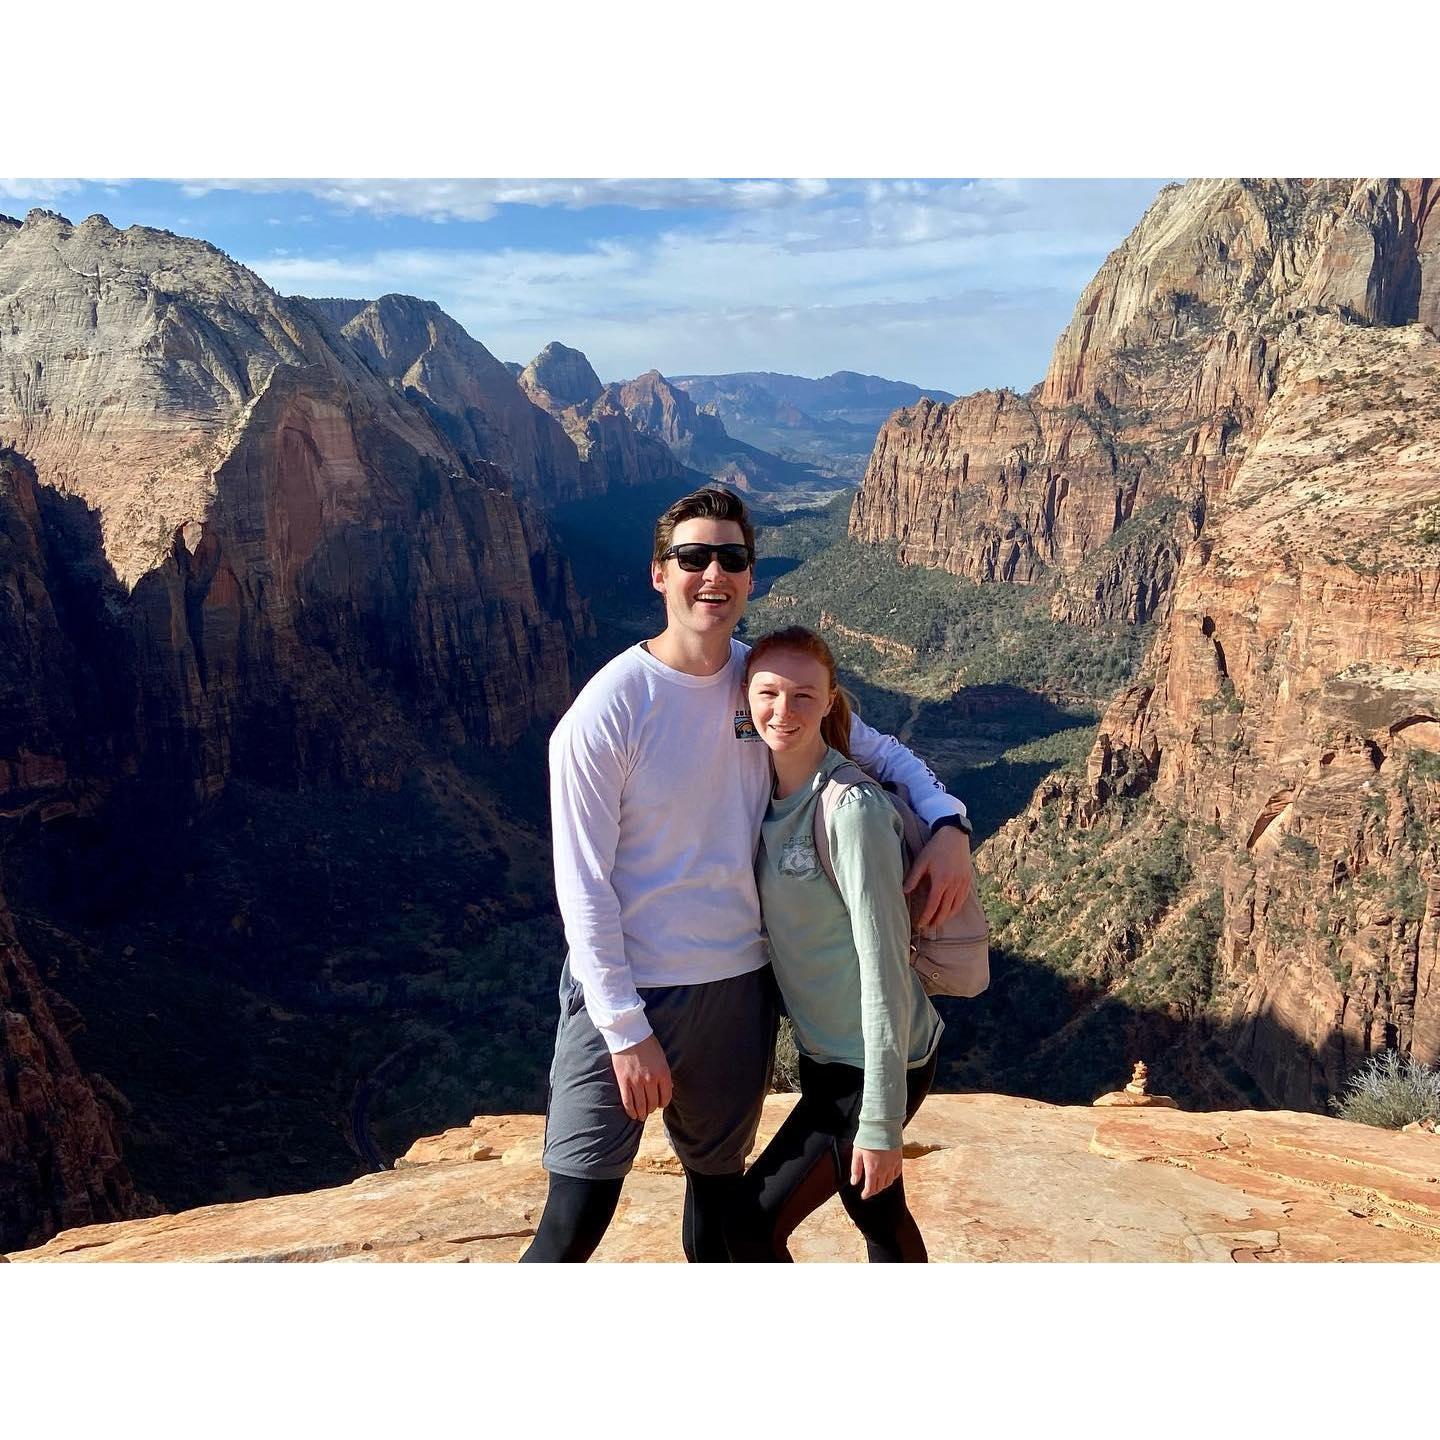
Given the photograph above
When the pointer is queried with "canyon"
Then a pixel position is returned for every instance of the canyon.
(292, 589)
(245, 541)
(1239, 437)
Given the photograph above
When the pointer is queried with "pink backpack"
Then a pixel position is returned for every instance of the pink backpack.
(955, 958)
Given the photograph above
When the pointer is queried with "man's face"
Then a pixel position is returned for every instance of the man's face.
(708, 600)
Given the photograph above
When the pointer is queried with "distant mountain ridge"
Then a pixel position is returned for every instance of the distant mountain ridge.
(829, 422)
(843, 395)
(561, 381)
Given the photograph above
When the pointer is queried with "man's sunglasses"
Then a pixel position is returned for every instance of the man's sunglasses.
(733, 558)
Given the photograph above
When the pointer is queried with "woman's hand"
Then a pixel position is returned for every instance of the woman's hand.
(874, 1169)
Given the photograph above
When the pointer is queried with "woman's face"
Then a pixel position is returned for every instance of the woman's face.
(789, 694)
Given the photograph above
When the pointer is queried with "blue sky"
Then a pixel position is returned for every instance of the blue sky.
(961, 284)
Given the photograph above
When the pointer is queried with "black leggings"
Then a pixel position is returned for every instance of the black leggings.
(578, 1212)
(808, 1161)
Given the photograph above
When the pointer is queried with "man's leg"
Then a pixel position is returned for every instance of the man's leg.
(719, 1038)
(709, 1200)
(590, 1142)
(577, 1213)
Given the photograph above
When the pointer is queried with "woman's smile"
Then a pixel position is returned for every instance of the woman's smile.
(789, 698)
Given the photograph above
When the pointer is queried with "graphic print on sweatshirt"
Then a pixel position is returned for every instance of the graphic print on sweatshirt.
(798, 857)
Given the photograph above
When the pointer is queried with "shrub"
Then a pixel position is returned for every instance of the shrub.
(1390, 1090)
(785, 1079)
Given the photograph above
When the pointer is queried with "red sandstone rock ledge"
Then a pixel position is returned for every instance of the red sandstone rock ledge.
(991, 1177)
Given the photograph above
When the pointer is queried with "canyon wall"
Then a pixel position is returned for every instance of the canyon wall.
(614, 451)
(1288, 716)
(1154, 392)
(240, 539)
(312, 530)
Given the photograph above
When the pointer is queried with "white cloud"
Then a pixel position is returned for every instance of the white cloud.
(480, 199)
(27, 194)
(958, 284)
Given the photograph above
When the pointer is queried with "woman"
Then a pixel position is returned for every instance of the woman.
(864, 1027)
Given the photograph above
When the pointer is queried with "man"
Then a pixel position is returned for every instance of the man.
(658, 784)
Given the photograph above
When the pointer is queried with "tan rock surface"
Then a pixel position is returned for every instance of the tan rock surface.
(1156, 389)
(614, 450)
(1291, 704)
(990, 1177)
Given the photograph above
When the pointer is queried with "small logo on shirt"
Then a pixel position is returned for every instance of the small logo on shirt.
(745, 726)
(798, 858)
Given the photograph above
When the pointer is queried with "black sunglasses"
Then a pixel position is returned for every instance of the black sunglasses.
(733, 558)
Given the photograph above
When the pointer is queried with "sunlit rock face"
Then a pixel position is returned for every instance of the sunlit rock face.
(1289, 711)
(308, 516)
(988, 1177)
(1156, 391)
(615, 447)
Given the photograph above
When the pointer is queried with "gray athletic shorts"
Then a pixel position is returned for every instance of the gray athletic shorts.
(719, 1041)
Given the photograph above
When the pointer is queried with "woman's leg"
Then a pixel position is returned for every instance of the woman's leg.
(793, 1177)
(891, 1234)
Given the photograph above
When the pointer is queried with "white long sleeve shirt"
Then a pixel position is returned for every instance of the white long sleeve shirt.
(658, 785)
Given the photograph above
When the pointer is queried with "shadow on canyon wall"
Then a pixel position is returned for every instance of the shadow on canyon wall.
(261, 973)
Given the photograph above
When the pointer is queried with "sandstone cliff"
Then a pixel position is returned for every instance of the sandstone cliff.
(473, 399)
(1280, 746)
(614, 451)
(989, 1177)
(60, 1162)
(663, 410)
(240, 543)
(301, 545)
(559, 377)
(1157, 388)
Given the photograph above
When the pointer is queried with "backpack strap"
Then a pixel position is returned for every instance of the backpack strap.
(841, 779)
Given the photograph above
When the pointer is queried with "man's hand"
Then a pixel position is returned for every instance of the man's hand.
(644, 1077)
(945, 862)
(875, 1169)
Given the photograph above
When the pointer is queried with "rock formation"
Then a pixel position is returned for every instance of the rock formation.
(241, 538)
(473, 399)
(60, 1162)
(1155, 388)
(1262, 357)
(298, 544)
(614, 451)
(559, 378)
(649, 432)
(989, 1177)
(663, 410)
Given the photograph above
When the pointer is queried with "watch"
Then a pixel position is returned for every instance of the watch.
(960, 822)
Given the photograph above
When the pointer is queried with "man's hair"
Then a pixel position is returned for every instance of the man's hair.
(714, 502)
(835, 727)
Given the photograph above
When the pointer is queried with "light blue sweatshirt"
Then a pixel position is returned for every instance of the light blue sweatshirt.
(842, 960)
